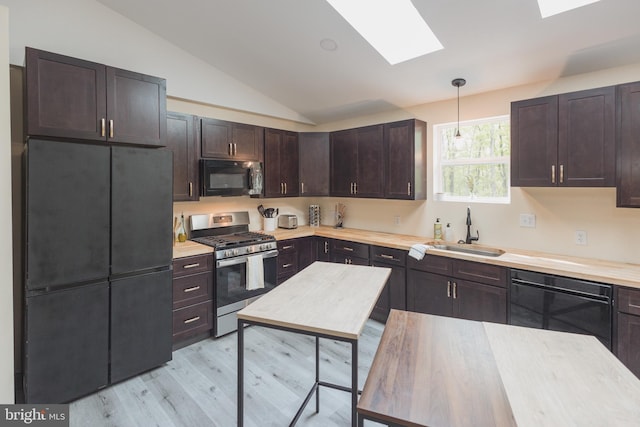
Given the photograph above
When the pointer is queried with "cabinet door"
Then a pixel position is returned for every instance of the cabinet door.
(475, 301)
(182, 140)
(344, 158)
(323, 249)
(405, 161)
(313, 152)
(370, 178)
(66, 97)
(289, 164)
(429, 293)
(216, 139)
(534, 142)
(586, 138)
(136, 108)
(628, 150)
(306, 252)
(628, 348)
(248, 142)
(273, 184)
(394, 294)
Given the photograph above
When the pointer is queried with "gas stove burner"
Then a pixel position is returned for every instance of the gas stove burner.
(234, 240)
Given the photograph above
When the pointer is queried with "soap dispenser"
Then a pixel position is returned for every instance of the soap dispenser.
(437, 230)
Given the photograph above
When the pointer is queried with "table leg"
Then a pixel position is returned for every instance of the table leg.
(354, 382)
(317, 374)
(240, 373)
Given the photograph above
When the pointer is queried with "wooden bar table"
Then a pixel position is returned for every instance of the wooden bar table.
(438, 371)
(324, 300)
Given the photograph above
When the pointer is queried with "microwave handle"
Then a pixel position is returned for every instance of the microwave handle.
(243, 259)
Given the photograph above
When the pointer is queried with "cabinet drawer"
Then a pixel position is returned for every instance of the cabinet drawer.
(287, 263)
(388, 255)
(629, 301)
(432, 264)
(285, 246)
(192, 289)
(192, 265)
(351, 249)
(480, 272)
(348, 259)
(193, 319)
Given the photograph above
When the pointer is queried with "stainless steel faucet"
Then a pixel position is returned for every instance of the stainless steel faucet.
(469, 238)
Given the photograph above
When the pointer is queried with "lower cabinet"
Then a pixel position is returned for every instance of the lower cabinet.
(193, 307)
(323, 248)
(294, 255)
(394, 294)
(345, 252)
(439, 285)
(628, 329)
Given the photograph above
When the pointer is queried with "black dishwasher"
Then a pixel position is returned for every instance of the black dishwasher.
(559, 303)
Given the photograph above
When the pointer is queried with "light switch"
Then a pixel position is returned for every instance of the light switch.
(528, 220)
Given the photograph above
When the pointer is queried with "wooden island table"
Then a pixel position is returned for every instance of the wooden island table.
(446, 372)
(324, 300)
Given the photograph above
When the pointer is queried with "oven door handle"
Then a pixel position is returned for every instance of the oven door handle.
(243, 259)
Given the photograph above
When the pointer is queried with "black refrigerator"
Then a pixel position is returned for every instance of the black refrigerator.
(98, 290)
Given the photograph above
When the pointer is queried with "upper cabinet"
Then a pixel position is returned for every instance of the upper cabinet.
(564, 140)
(313, 153)
(183, 140)
(357, 162)
(280, 163)
(72, 98)
(405, 160)
(628, 167)
(229, 140)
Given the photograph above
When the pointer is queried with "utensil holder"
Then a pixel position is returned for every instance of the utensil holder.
(269, 224)
(314, 215)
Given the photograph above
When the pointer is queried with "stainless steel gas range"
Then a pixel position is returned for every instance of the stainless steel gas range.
(245, 263)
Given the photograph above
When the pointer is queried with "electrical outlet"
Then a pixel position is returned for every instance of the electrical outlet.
(581, 237)
(528, 220)
(396, 220)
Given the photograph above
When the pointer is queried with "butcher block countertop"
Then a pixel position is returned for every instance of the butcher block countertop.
(421, 376)
(615, 273)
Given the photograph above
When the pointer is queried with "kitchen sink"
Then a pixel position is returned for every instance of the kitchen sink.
(469, 249)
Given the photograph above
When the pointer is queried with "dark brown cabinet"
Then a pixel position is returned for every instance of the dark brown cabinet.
(394, 294)
(628, 148)
(452, 287)
(192, 298)
(323, 248)
(72, 98)
(183, 141)
(313, 154)
(628, 330)
(280, 163)
(294, 255)
(405, 160)
(357, 162)
(345, 252)
(229, 140)
(564, 140)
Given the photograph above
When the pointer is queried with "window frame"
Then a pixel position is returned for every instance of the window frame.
(438, 162)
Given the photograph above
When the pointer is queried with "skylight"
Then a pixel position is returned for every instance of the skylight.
(553, 7)
(393, 27)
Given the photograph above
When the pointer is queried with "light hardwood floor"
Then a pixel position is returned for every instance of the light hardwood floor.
(198, 387)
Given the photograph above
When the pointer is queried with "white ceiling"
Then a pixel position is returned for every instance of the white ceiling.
(273, 46)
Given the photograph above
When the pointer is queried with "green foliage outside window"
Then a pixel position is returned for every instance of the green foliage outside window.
(476, 166)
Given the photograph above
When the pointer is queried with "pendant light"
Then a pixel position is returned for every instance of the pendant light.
(457, 83)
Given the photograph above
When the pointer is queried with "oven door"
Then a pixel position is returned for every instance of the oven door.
(231, 279)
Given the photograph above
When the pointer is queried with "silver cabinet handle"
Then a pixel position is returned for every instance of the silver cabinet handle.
(326, 247)
(191, 289)
(302, 188)
(287, 247)
(103, 126)
(455, 290)
(230, 150)
(235, 149)
(347, 249)
(561, 174)
(553, 174)
(351, 191)
(285, 188)
(110, 128)
(633, 306)
(448, 289)
(287, 265)
(197, 264)
(190, 189)
(193, 319)
(386, 256)
(355, 188)
(408, 188)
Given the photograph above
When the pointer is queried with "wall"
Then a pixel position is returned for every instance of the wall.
(6, 283)
(612, 232)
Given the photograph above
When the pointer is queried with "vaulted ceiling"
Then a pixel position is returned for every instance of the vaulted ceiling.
(274, 47)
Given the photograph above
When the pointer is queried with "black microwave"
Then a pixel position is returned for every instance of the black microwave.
(230, 178)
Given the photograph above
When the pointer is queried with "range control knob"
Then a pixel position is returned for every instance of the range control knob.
(250, 249)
